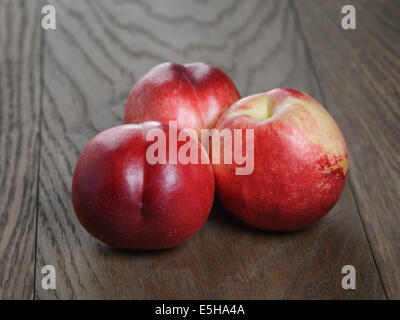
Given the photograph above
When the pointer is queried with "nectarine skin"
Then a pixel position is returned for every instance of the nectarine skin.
(128, 203)
(300, 161)
(195, 95)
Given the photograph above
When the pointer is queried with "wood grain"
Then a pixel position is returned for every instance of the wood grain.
(91, 61)
(20, 88)
(360, 74)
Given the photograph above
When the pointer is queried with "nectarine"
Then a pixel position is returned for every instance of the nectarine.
(300, 161)
(126, 202)
(195, 95)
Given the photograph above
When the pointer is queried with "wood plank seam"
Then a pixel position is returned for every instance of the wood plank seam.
(324, 102)
(42, 44)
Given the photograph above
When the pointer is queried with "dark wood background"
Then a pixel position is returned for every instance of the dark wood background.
(59, 88)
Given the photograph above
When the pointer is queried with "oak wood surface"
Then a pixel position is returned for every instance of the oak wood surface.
(363, 94)
(20, 89)
(90, 63)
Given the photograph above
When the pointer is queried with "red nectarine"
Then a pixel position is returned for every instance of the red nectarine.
(126, 202)
(195, 95)
(300, 161)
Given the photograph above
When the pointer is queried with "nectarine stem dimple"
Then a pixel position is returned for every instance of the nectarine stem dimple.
(259, 108)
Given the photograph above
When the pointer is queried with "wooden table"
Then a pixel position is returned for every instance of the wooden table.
(58, 88)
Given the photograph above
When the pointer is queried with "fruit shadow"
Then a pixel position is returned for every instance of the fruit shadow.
(222, 217)
(139, 253)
